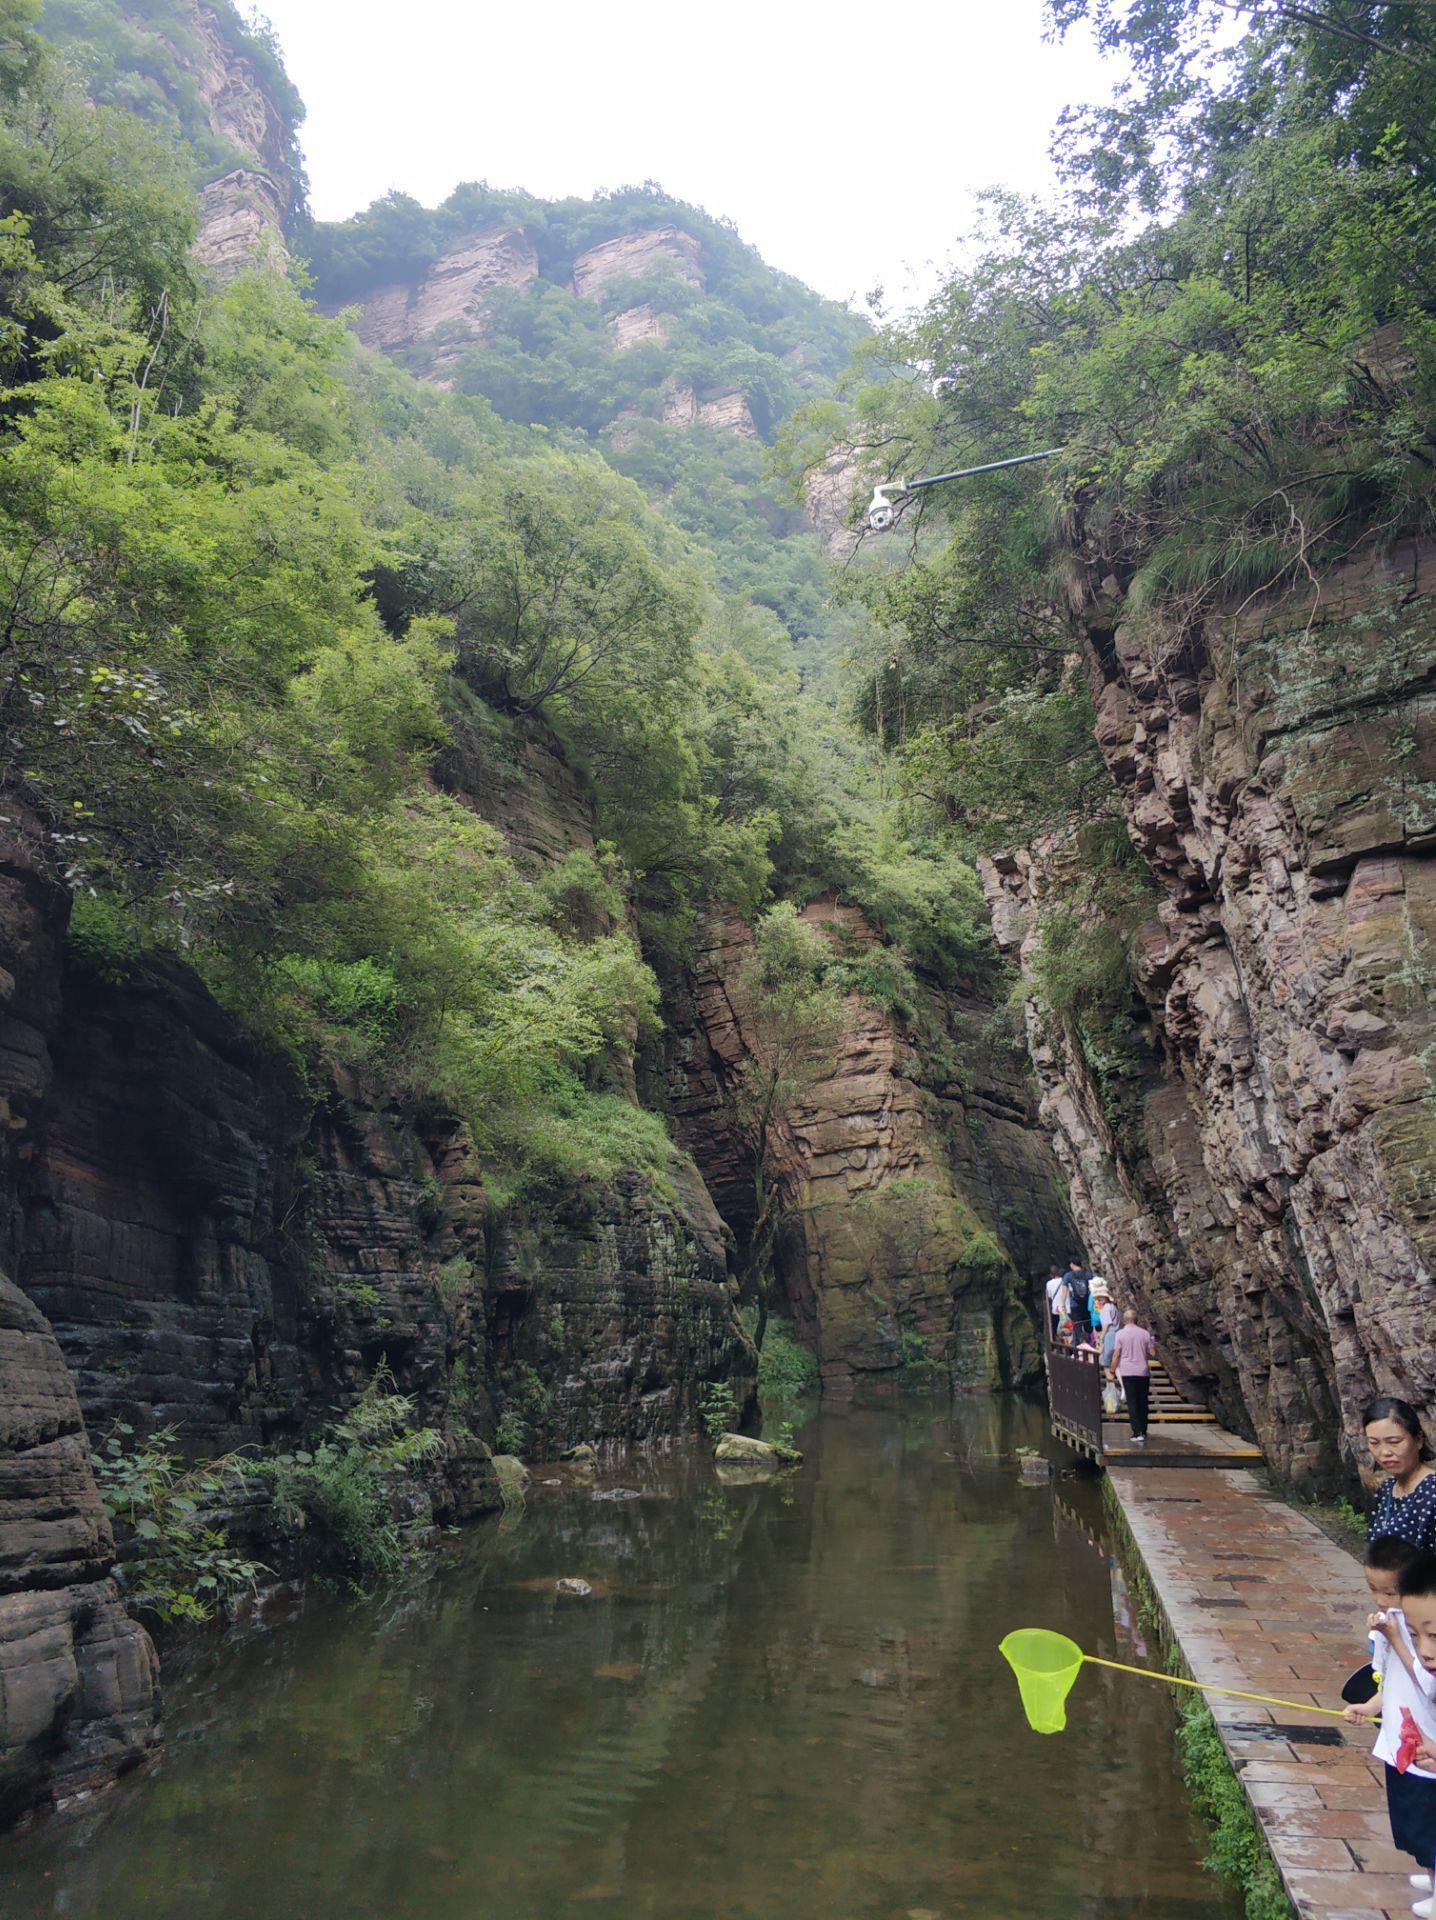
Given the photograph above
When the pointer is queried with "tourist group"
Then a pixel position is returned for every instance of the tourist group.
(1083, 1315)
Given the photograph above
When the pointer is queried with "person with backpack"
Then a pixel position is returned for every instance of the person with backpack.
(1078, 1282)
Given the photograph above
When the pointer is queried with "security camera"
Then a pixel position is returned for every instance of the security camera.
(881, 511)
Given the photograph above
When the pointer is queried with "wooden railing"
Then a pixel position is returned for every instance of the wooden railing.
(1074, 1392)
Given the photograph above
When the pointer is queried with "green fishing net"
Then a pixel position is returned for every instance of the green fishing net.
(1046, 1665)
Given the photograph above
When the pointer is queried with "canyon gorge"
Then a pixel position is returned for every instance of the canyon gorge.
(234, 1192)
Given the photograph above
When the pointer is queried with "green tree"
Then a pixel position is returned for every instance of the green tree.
(560, 601)
(1245, 390)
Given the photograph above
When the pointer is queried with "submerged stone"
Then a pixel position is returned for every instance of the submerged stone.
(513, 1476)
(739, 1447)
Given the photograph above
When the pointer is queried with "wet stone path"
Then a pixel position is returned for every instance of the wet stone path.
(1259, 1598)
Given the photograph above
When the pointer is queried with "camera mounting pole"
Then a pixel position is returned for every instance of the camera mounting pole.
(881, 512)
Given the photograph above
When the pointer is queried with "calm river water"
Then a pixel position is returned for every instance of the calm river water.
(781, 1702)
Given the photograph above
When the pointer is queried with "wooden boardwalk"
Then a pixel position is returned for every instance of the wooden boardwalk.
(1179, 1434)
(1177, 1443)
(1257, 1597)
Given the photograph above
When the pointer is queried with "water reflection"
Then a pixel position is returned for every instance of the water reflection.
(780, 1702)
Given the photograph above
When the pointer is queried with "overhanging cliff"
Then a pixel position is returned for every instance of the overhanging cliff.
(1273, 1205)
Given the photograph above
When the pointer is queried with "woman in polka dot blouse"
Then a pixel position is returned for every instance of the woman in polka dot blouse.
(1406, 1499)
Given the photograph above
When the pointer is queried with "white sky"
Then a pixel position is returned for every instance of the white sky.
(843, 140)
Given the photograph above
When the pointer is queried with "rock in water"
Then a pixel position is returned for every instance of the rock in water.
(513, 1475)
(735, 1447)
(572, 1589)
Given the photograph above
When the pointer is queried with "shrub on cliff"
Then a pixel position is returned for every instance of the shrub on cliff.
(346, 1496)
(174, 1560)
(791, 1022)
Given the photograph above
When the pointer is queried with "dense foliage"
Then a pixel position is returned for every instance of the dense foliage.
(176, 1563)
(147, 58)
(1243, 386)
(340, 1497)
(544, 356)
(275, 614)
(745, 301)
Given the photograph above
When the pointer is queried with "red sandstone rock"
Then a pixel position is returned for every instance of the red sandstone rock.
(889, 1195)
(1280, 1219)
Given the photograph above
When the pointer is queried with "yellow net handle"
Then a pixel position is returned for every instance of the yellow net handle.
(1233, 1693)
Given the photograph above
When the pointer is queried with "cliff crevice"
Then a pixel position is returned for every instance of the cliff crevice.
(917, 1188)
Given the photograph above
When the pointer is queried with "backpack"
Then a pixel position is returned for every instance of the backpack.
(1078, 1293)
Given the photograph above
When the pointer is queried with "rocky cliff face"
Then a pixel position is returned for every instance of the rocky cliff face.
(196, 1248)
(829, 501)
(455, 292)
(1275, 1206)
(729, 412)
(449, 304)
(244, 211)
(631, 254)
(914, 1179)
(626, 257)
(79, 1693)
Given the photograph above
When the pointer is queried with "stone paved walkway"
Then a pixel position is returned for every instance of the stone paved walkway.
(1259, 1598)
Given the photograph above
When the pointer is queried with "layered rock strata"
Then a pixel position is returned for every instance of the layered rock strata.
(243, 212)
(449, 304)
(629, 255)
(637, 324)
(454, 293)
(829, 501)
(728, 412)
(1275, 1208)
(79, 1683)
(242, 217)
(912, 1180)
(196, 1249)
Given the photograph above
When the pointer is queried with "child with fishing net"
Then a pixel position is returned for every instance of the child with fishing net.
(1402, 1583)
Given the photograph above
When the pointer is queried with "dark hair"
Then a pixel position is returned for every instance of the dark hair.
(1417, 1579)
(1389, 1553)
(1403, 1413)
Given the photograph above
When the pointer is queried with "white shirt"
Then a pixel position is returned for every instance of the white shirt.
(1055, 1286)
(1399, 1690)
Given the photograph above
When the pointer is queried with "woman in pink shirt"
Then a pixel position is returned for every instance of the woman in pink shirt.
(1131, 1362)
